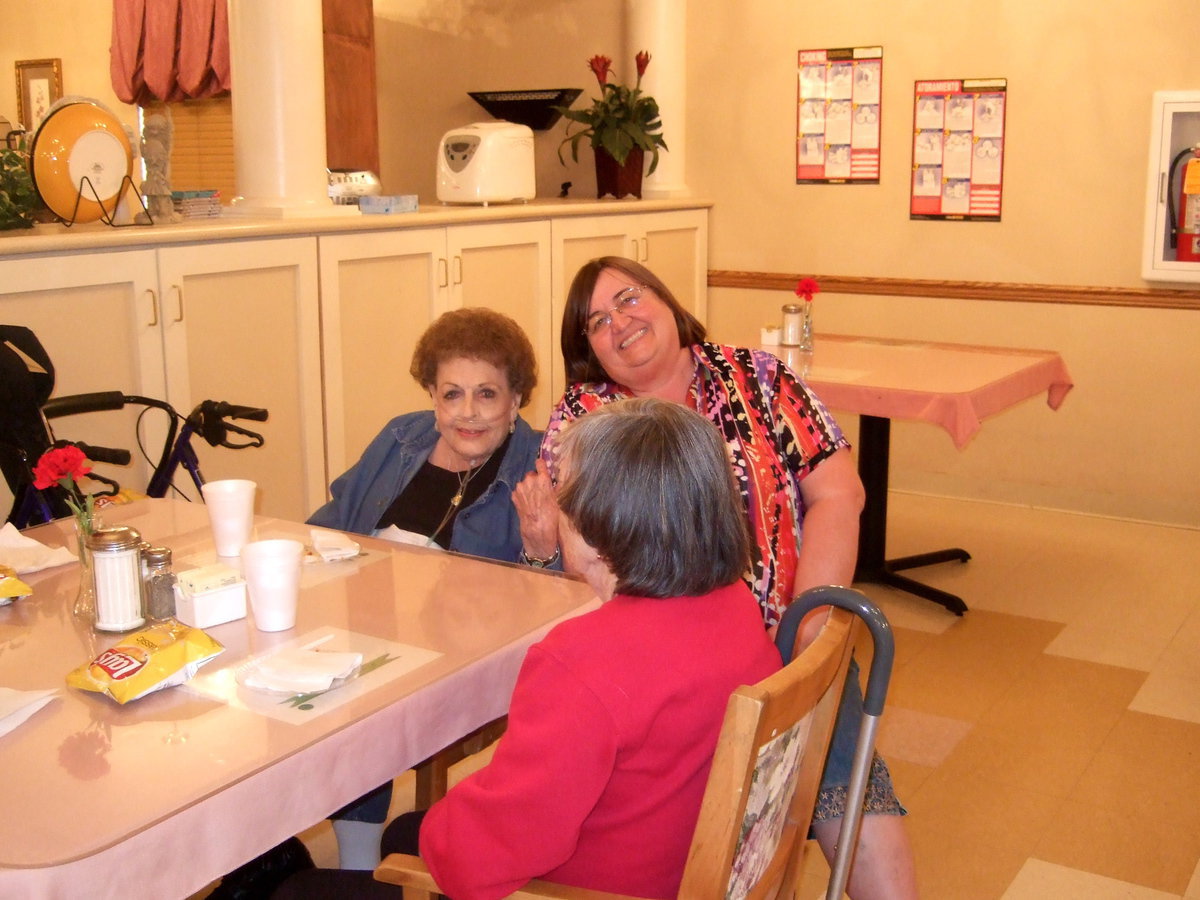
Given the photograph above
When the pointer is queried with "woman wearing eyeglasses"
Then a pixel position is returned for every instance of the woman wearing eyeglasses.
(625, 335)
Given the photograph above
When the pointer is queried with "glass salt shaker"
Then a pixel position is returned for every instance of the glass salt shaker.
(793, 316)
(158, 582)
(116, 569)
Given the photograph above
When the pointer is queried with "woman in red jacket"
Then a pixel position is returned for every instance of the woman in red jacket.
(615, 716)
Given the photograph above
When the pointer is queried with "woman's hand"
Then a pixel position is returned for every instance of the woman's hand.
(534, 500)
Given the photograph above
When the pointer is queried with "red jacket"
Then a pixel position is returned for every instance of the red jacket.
(611, 731)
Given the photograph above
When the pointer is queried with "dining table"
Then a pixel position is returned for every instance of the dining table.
(954, 386)
(160, 796)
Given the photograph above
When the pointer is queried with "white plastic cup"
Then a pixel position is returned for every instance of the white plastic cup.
(230, 505)
(272, 572)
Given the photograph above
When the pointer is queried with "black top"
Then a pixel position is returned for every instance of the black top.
(424, 506)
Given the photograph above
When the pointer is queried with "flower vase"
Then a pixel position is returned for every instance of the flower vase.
(85, 599)
(806, 327)
(619, 180)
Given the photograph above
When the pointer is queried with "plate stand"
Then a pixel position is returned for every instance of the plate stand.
(105, 215)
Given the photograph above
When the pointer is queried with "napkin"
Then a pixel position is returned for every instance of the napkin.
(300, 670)
(333, 545)
(17, 706)
(26, 555)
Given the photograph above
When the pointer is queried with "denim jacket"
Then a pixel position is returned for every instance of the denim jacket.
(488, 527)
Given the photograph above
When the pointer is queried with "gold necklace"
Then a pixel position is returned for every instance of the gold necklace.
(464, 478)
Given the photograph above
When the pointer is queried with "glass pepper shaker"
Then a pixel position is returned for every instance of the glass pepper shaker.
(159, 582)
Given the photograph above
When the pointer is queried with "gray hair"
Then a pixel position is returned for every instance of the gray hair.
(649, 486)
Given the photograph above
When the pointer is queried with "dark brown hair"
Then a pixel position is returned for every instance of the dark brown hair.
(579, 360)
(649, 486)
(476, 333)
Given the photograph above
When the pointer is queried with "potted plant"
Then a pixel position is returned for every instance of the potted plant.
(18, 200)
(622, 124)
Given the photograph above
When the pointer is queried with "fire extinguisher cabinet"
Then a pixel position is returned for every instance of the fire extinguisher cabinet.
(1172, 240)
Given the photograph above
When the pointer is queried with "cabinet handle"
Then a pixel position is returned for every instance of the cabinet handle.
(153, 307)
(645, 248)
(458, 270)
(443, 272)
(179, 299)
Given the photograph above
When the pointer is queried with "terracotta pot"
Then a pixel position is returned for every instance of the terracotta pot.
(619, 180)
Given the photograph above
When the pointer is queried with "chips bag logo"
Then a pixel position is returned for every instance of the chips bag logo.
(119, 665)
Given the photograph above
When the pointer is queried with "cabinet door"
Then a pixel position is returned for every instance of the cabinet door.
(506, 267)
(672, 244)
(241, 325)
(379, 292)
(97, 316)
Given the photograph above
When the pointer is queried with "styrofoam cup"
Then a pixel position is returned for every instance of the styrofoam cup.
(272, 572)
(230, 505)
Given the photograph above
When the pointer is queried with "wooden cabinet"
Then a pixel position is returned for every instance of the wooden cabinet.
(673, 244)
(240, 323)
(380, 290)
(97, 316)
(230, 321)
(317, 327)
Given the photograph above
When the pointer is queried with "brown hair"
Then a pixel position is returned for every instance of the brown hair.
(675, 526)
(580, 362)
(476, 333)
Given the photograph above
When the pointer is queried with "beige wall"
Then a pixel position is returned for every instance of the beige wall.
(76, 31)
(1080, 81)
(1080, 77)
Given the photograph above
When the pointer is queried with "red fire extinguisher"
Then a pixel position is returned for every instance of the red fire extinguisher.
(1185, 230)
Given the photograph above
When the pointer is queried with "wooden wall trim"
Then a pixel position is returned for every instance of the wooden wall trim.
(965, 290)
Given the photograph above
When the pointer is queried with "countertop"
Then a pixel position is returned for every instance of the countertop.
(56, 237)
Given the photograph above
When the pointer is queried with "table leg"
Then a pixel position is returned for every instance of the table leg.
(874, 447)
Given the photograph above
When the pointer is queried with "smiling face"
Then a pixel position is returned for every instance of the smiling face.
(474, 407)
(640, 341)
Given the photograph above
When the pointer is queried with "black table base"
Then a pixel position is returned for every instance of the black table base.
(874, 447)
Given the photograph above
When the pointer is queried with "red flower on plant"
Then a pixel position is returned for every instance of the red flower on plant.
(601, 65)
(643, 60)
(806, 288)
(57, 464)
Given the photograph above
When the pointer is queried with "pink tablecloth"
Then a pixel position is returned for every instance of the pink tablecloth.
(955, 386)
(163, 795)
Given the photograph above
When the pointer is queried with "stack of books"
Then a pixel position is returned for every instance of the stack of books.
(197, 204)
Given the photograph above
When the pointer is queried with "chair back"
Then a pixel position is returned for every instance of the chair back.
(753, 824)
(754, 819)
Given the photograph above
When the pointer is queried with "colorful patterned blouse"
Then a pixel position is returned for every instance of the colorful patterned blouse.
(776, 431)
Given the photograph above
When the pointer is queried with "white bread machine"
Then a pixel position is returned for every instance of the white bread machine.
(487, 162)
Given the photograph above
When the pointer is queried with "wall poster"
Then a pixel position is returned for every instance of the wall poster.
(958, 149)
(838, 104)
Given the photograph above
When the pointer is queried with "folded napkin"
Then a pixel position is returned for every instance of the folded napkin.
(332, 545)
(301, 671)
(17, 706)
(26, 555)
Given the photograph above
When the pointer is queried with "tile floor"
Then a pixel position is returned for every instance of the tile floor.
(1047, 743)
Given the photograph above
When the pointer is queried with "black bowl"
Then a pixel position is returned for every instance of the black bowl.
(532, 108)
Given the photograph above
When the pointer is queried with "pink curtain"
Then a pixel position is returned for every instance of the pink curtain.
(169, 49)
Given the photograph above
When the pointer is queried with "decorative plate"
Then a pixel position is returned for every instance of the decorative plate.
(80, 152)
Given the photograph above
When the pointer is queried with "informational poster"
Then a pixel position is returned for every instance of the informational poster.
(838, 107)
(958, 149)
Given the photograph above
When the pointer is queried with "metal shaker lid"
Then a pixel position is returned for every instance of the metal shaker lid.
(111, 540)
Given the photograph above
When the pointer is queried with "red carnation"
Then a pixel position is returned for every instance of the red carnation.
(57, 464)
(807, 287)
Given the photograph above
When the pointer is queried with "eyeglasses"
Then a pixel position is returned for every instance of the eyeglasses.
(627, 301)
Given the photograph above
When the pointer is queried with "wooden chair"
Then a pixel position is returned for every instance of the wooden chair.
(753, 824)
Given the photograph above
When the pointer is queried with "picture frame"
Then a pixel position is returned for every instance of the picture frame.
(39, 85)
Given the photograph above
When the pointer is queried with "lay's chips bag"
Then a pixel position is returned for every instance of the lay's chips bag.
(161, 656)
